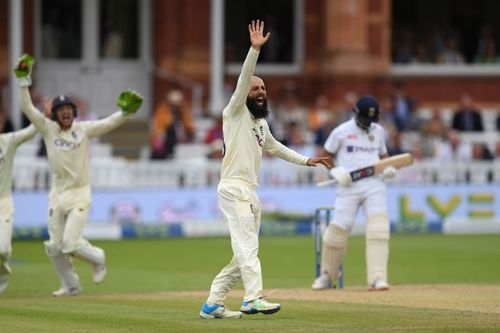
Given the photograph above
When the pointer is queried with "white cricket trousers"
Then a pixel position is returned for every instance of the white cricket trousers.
(370, 194)
(6, 225)
(68, 214)
(241, 208)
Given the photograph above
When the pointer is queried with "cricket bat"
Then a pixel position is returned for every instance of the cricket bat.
(398, 161)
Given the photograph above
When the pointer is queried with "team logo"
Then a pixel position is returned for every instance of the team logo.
(371, 137)
(371, 112)
(260, 138)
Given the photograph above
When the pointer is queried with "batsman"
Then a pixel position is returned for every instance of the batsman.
(355, 144)
(68, 144)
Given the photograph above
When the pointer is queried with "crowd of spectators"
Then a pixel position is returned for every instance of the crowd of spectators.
(305, 127)
(428, 135)
(444, 45)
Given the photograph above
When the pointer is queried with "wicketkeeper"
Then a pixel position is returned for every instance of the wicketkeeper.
(357, 143)
(9, 143)
(68, 144)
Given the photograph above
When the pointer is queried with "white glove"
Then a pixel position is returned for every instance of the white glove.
(341, 175)
(389, 172)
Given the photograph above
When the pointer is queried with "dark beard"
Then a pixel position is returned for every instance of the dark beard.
(257, 111)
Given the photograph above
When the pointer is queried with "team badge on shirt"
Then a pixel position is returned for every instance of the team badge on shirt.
(371, 137)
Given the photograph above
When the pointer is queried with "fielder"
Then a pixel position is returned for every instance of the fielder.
(357, 143)
(9, 143)
(68, 144)
(246, 135)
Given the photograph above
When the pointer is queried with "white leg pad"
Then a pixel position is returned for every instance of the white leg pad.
(377, 248)
(94, 256)
(91, 254)
(64, 267)
(334, 249)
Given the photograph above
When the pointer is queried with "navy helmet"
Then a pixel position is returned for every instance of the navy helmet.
(366, 111)
(60, 101)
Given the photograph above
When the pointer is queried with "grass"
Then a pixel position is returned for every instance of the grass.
(141, 291)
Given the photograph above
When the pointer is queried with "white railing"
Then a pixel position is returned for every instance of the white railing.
(32, 173)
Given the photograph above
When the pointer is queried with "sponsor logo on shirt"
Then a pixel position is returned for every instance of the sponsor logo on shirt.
(357, 149)
(352, 137)
(66, 145)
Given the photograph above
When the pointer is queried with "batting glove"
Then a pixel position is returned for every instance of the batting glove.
(389, 172)
(341, 175)
(129, 101)
(22, 70)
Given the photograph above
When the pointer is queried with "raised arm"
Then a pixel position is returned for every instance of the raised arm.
(129, 102)
(257, 39)
(22, 70)
(21, 136)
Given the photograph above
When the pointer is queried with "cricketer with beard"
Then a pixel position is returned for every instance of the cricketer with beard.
(246, 135)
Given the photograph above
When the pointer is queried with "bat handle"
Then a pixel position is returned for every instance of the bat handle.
(326, 183)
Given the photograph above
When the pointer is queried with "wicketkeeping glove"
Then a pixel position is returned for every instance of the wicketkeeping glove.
(129, 101)
(23, 68)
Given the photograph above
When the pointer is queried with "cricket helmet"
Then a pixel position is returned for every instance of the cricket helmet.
(60, 101)
(366, 111)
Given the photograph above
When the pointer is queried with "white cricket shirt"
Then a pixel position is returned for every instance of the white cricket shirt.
(355, 148)
(246, 137)
(8, 146)
(68, 152)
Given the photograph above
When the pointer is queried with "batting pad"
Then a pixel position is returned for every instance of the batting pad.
(334, 249)
(63, 266)
(377, 247)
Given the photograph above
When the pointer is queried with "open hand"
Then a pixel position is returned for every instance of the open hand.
(256, 30)
(314, 161)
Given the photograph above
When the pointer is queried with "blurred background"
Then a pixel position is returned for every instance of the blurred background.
(433, 66)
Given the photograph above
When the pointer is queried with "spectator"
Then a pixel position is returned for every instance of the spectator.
(481, 152)
(451, 54)
(403, 47)
(431, 132)
(321, 133)
(387, 118)
(449, 148)
(293, 136)
(216, 150)
(172, 124)
(497, 151)
(319, 113)
(488, 55)
(467, 117)
(421, 54)
(214, 133)
(83, 110)
(404, 107)
(394, 144)
(290, 109)
(345, 113)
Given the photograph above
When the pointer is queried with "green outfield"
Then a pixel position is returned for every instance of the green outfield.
(438, 284)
